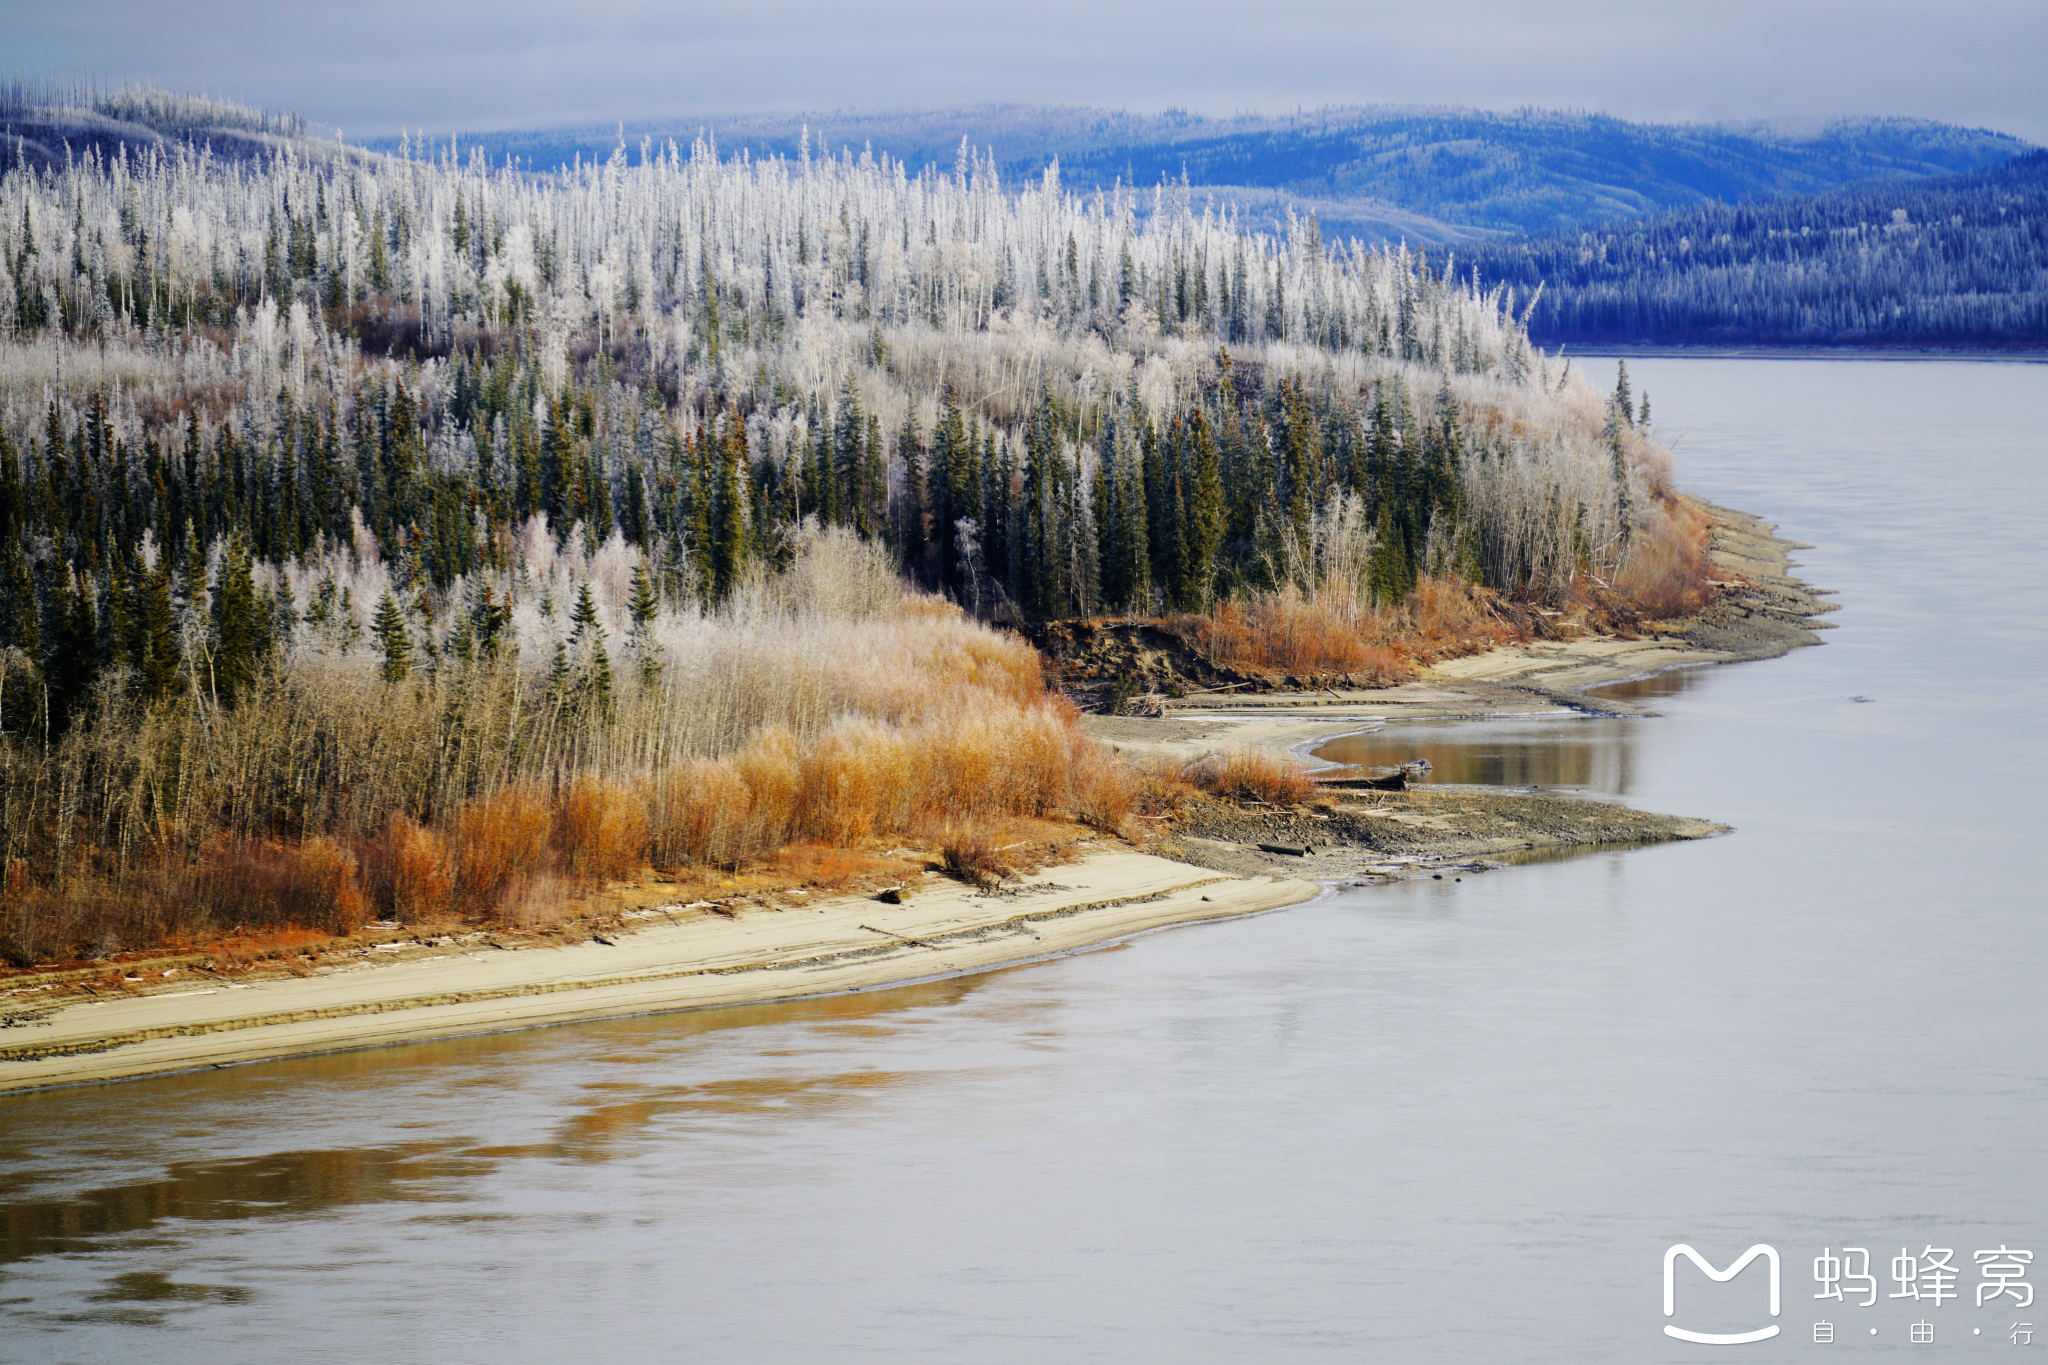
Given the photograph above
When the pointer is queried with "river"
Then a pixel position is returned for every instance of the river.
(1437, 1121)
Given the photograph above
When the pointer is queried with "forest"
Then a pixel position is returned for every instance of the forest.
(1426, 176)
(1957, 262)
(392, 534)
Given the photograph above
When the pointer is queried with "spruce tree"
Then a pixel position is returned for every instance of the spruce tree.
(955, 486)
(912, 541)
(1202, 515)
(644, 605)
(156, 632)
(71, 664)
(394, 638)
(19, 627)
(729, 542)
(239, 633)
(587, 648)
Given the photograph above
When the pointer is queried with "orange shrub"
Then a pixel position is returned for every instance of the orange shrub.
(1665, 574)
(700, 815)
(1038, 759)
(604, 830)
(1104, 787)
(774, 777)
(1290, 631)
(859, 776)
(323, 879)
(419, 874)
(971, 856)
(831, 868)
(963, 763)
(500, 837)
(247, 884)
(1244, 770)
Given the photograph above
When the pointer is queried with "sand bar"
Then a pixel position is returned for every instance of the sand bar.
(683, 959)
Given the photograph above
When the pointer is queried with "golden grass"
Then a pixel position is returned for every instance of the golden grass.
(971, 856)
(324, 792)
(1248, 771)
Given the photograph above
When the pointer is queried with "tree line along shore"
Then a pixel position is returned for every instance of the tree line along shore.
(404, 536)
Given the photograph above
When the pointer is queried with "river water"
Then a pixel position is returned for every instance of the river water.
(1436, 1121)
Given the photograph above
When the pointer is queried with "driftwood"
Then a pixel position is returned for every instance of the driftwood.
(1396, 781)
(1291, 850)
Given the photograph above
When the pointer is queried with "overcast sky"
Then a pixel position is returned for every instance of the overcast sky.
(374, 66)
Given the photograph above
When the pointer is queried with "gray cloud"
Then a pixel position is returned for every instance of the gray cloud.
(376, 66)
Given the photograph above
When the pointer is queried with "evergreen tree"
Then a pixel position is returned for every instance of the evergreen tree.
(643, 606)
(730, 549)
(394, 638)
(957, 489)
(156, 633)
(1622, 402)
(912, 537)
(587, 649)
(19, 627)
(240, 637)
(1202, 512)
(72, 662)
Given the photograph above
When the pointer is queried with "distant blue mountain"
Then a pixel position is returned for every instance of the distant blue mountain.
(1953, 262)
(1426, 175)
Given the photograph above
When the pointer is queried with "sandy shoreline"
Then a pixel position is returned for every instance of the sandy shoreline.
(1762, 612)
(684, 958)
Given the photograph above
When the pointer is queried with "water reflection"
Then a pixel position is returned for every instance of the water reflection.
(1592, 754)
(1653, 688)
(623, 1111)
(292, 1183)
(152, 1286)
(595, 1121)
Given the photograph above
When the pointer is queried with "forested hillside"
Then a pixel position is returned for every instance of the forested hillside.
(49, 123)
(1424, 176)
(344, 500)
(1958, 261)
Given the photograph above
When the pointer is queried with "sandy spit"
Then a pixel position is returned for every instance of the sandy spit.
(687, 959)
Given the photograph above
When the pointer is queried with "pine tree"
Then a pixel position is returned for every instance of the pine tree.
(1622, 402)
(912, 538)
(1202, 514)
(956, 487)
(19, 627)
(156, 633)
(239, 635)
(644, 603)
(71, 666)
(587, 648)
(643, 606)
(729, 542)
(394, 638)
